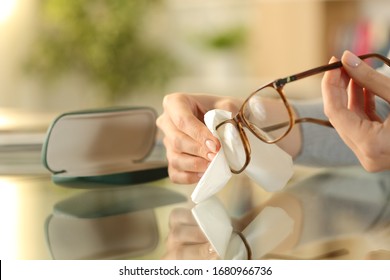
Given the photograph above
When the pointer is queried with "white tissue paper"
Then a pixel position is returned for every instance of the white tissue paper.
(263, 234)
(214, 222)
(271, 226)
(270, 166)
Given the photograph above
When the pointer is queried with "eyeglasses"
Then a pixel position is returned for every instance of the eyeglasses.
(268, 115)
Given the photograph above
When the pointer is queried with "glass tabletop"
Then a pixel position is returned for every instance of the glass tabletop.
(341, 213)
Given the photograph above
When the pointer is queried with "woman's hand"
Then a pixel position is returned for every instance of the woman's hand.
(185, 240)
(189, 144)
(349, 102)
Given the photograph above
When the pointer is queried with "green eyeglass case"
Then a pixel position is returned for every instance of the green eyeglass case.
(110, 146)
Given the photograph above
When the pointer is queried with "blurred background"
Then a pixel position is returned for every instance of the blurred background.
(61, 55)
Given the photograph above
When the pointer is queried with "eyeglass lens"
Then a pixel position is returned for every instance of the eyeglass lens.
(267, 115)
(232, 145)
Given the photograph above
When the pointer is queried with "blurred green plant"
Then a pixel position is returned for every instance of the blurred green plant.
(229, 39)
(103, 39)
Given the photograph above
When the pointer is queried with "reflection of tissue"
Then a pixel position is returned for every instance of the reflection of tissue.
(263, 234)
(270, 166)
(214, 221)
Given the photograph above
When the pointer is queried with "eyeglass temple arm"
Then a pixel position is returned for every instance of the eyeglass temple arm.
(332, 254)
(281, 82)
(284, 124)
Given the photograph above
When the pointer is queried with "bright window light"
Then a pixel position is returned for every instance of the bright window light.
(4, 122)
(8, 219)
(6, 9)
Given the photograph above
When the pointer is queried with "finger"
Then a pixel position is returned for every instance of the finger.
(176, 139)
(183, 177)
(180, 216)
(182, 113)
(366, 76)
(334, 92)
(185, 162)
(191, 252)
(334, 88)
(182, 143)
(356, 100)
(185, 169)
(378, 255)
(370, 106)
(186, 234)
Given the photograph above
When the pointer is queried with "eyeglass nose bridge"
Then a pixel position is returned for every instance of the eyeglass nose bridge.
(238, 123)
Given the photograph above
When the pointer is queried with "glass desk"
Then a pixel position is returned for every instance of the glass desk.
(321, 214)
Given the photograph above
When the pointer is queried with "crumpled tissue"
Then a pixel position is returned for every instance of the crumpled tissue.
(270, 166)
(270, 227)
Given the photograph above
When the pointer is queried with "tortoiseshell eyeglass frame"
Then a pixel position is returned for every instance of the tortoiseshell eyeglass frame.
(239, 121)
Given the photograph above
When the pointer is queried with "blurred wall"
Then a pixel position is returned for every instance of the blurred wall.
(281, 37)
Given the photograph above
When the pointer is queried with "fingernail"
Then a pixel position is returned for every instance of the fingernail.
(210, 156)
(211, 250)
(351, 59)
(211, 145)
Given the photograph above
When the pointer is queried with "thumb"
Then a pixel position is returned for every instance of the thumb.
(365, 76)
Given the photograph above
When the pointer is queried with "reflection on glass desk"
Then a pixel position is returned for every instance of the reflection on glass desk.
(325, 214)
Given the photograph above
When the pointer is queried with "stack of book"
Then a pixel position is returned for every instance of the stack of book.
(22, 135)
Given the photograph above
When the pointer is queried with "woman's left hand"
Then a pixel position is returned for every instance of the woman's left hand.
(349, 102)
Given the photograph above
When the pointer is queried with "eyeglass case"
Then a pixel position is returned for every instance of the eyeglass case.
(109, 145)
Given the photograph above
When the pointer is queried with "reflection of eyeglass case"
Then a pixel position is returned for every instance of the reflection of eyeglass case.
(112, 145)
(108, 223)
(121, 236)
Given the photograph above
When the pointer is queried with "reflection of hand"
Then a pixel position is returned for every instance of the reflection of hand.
(349, 103)
(185, 240)
(378, 255)
(189, 144)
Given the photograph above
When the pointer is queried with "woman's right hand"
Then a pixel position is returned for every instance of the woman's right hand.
(190, 146)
